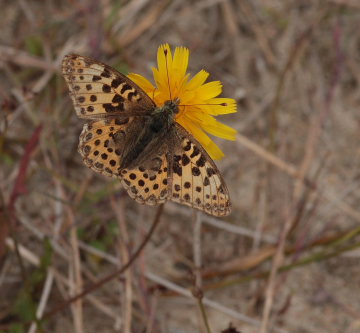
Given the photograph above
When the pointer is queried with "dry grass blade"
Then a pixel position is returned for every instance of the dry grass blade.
(215, 305)
(9, 54)
(124, 238)
(292, 171)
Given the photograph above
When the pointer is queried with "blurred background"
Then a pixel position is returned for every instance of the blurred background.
(285, 260)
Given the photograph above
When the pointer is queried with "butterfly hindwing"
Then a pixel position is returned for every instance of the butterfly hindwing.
(101, 147)
(102, 143)
(196, 181)
(148, 183)
(98, 90)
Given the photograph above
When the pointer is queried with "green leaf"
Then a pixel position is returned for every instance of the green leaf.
(33, 45)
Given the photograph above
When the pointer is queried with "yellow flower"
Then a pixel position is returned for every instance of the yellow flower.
(198, 102)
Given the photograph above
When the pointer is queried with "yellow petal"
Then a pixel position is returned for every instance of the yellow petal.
(158, 77)
(211, 148)
(214, 151)
(180, 90)
(199, 116)
(209, 90)
(164, 61)
(180, 61)
(142, 82)
(221, 130)
(218, 108)
(196, 131)
(197, 80)
(212, 126)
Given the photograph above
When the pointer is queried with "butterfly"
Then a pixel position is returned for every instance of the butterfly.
(128, 137)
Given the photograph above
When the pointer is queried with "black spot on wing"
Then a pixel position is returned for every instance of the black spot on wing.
(113, 108)
(118, 99)
(106, 73)
(195, 171)
(176, 166)
(106, 88)
(201, 161)
(116, 82)
(195, 152)
(187, 147)
(125, 87)
(131, 95)
(206, 181)
(210, 171)
(185, 160)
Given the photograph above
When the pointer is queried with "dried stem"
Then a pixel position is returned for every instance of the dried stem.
(197, 292)
(124, 239)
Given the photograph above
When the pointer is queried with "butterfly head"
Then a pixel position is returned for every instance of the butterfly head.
(172, 106)
(169, 109)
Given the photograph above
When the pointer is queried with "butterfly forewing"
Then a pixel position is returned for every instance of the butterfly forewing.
(97, 90)
(196, 181)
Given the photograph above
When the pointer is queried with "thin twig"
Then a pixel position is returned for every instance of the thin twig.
(277, 261)
(203, 314)
(223, 225)
(197, 248)
(197, 292)
(291, 170)
(212, 304)
(75, 270)
(259, 31)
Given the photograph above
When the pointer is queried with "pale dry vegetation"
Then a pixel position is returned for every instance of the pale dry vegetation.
(285, 260)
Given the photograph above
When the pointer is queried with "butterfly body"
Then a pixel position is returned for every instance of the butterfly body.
(150, 134)
(128, 137)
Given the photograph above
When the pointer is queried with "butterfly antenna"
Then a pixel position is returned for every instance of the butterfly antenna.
(167, 72)
(212, 104)
(218, 104)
